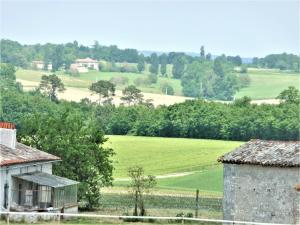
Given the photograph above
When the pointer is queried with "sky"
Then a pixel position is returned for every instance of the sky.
(245, 28)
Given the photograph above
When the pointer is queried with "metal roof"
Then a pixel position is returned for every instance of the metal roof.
(46, 179)
(265, 153)
(23, 154)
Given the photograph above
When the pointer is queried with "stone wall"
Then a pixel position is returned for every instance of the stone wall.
(261, 194)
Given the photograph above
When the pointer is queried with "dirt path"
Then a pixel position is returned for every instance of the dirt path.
(170, 175)
(76, 94)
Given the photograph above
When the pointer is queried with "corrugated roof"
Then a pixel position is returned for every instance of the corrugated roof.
(265, 153)
(23, 154)
(46, 179)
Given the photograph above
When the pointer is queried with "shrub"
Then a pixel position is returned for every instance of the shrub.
(167, 89)
(141, 81)
(152, 78)
(119, 80)
(243, 69)
(244, 80)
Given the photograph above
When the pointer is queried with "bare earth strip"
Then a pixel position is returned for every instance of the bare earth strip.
(162, 176)
(76, 94)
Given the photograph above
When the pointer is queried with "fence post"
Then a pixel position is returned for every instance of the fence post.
(197, 203)
(182, 219)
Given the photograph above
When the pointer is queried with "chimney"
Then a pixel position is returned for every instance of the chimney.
(8, 134)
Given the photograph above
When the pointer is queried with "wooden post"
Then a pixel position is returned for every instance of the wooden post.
(135, 213)
(197, 203)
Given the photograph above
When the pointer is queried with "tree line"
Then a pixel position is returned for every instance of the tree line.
(54, 125)
(282, 61)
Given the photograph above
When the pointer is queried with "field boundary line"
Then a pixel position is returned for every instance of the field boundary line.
(137, 217)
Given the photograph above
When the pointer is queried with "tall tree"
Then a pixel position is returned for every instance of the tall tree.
(51, 85)
(163, 64)
(57, 57)
(178, 67)
(76, 139)
(104, 89)
(154, 63)
(202, 52)
(131, 94)
(141, 63)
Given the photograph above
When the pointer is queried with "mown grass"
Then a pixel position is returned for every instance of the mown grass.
(160, 155)
(267, 83)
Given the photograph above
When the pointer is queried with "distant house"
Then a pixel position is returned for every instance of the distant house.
(26, 180)
(83, 65)
(262, 182)
(39, 65)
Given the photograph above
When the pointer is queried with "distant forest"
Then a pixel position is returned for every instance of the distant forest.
(201, 76)
(22, 55)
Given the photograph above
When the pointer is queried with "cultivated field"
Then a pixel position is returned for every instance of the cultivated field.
(180, 164)
(265, 85)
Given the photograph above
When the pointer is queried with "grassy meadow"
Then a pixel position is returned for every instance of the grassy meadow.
(265, 83)
(268, 83)
(161, 156)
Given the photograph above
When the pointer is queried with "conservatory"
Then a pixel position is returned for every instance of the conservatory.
(40, 191)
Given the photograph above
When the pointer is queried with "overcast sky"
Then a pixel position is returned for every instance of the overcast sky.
(247, 28)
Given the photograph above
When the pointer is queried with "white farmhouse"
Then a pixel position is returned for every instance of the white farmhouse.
(26, 180)
(39, 65)
(262, 182)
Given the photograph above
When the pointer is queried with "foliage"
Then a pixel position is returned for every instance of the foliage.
(163, 59)
(167, 89)
(154, 63)
(212, 80)
(142, 81)
(65, 130)
(132, 95)
(120, 80)
(50, 85)
(243, 69)
(290, 96)
(139, 185)
(152, 78)
(178, 67)
(141, 64)
(244, 80)
(104, 89)
(282, 61)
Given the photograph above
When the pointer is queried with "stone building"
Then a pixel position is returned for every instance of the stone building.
(26, 179)
(262, 182)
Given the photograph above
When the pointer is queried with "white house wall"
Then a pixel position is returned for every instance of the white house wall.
(7, 172)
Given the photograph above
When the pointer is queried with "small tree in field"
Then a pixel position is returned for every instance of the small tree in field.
(139, 185)
(50, 85)
(131, 94)
(290, 95)
(104, 89)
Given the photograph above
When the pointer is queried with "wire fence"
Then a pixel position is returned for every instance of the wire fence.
(164, 205)
(56, 218)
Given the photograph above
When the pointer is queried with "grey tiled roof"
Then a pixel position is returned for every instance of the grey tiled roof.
(265, 153)
(23, 154)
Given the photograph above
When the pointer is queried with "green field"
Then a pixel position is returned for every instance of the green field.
(84, 80)
(265, 83)
(161, 156)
